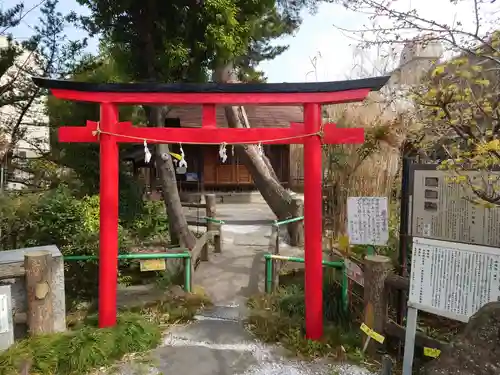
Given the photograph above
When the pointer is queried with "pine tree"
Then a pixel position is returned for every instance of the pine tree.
(184, 41)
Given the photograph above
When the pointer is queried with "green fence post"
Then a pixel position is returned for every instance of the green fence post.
(269, 274)
(187, 274)
(370, 250)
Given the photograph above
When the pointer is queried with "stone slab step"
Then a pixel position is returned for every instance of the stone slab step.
(231, 313)
(208, 331)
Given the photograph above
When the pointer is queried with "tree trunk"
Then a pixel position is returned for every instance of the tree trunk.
(40, 317)
(276, 196)
(177, 221)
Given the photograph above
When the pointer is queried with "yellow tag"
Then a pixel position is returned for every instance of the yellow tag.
(177, 156)
(371, 333)
(344, 243)
(431, 352)
(153, 265)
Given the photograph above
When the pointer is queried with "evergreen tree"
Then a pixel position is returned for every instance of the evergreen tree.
(184, 41)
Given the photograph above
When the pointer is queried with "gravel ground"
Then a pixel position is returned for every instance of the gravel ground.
(218, 344)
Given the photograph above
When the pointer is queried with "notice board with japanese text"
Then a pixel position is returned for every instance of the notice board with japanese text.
(445, 207)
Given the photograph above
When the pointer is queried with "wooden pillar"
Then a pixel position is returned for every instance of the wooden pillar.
(218, 241)
(211, 211)
(201, 169)
(313, 224)
(376, 270)
(296, 229)
(40, 316)
(108, 223)
(147, 180)
(135, 170)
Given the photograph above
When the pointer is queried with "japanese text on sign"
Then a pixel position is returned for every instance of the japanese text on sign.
(451, 279)
(368, 222)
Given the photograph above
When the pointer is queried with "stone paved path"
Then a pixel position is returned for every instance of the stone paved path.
(217, 342)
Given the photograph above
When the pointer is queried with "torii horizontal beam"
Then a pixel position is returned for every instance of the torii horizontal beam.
(295, 134)
(214, 93)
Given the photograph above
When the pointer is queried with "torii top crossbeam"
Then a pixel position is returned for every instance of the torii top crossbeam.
(214, 93)
(208, 95)
(109, 131)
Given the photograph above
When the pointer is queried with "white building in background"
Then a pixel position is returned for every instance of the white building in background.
(33, 125)
(416, 60)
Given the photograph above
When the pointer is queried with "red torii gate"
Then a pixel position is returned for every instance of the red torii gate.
(110, 131)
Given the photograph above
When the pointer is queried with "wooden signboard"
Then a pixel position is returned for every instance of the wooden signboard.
(153, 265)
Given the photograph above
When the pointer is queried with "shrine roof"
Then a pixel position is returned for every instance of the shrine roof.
(373, 84)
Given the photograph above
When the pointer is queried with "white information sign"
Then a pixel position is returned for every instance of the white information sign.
(4, 314)
(451, 279)
(367, 220)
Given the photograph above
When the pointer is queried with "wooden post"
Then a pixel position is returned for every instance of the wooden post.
(210, 210)
(204, 252)
(275, 249)
(386, 365)
(218, 241)
(40, 317)
(296, 229)
(376, 270)
(210, 200)
(211, 226)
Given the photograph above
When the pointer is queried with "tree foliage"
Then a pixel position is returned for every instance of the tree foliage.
(80, 161)
(457, 104)
(459, 110)
(47, 53)
(186, 38)
(184, 41)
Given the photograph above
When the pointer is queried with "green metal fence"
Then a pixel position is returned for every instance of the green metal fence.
(287, 221)
(185, 255)
(212, 220)
(338, 265)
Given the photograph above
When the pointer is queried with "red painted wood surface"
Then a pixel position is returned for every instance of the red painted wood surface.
(313, 224)
(208, 116)
(108, 219)
(213, 98)
(296, 134)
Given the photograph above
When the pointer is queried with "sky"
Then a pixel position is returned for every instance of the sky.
(317, 40)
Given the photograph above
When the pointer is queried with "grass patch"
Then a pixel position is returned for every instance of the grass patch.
(173, 310)
(86, 347)
(80, 351)
(279, 317)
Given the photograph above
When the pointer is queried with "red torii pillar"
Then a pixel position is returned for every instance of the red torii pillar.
(109, 132)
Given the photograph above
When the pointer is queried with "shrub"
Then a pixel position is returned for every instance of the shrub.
(57, 217)
(152, 223)
(16, 219)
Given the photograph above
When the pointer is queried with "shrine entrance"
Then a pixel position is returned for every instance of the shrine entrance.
(109, 131)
